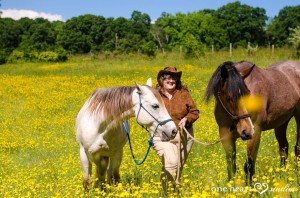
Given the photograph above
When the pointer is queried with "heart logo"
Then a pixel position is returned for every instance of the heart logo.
(261, 187)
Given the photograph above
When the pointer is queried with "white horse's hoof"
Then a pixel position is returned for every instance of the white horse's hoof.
(87, 184)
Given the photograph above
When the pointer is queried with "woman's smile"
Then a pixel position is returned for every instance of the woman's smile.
(169, 84)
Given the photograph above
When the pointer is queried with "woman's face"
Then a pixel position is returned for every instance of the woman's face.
(169, 82)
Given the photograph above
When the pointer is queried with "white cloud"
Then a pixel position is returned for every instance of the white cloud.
(18, 14)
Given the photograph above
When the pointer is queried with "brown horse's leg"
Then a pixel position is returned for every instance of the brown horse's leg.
(297, 146)
(101, 169)
(280, 133)
(230, 149)
(252, 149)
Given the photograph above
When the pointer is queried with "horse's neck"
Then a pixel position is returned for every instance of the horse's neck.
(127, 114)
(245, 68)
(123, 116)
(113, 122)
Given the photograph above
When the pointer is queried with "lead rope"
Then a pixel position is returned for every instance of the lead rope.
(177, 180)
(150, 141)
(202, 143)
(181, 129)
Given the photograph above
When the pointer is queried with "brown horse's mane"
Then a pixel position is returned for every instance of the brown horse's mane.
(226, 72)
(112, 102)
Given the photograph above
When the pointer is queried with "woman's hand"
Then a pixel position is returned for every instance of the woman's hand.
(182, 122)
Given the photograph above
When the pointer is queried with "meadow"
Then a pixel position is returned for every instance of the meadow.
(39, 156)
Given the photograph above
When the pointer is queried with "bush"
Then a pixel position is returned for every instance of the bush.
(194, 49)
(31, 56)
(48, 56)
(16, 56)
(149, 48)
(108, 54)
(62, 54)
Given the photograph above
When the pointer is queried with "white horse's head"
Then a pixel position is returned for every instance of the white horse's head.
(150, 111)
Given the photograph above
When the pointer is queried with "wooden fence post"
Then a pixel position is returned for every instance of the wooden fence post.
(180, 51)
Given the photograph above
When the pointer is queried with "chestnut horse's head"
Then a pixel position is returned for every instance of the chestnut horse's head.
(228, 86)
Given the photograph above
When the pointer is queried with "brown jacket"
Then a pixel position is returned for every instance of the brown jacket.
(181, 105)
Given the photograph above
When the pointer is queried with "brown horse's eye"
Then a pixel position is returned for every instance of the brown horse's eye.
(228, 99)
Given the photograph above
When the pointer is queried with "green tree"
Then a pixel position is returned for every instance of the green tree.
(165, 31)
(83, 34)
(279, 28)
(141, 23)
(96, 33)
(10, 37)
(294, 39)
(116, 32)
(204, 28)
(38, 35)
(138, 33)
(193, 31)
(242, 23)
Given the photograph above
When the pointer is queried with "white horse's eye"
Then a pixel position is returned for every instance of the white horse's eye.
(155, 106)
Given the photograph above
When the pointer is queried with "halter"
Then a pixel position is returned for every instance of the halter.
(150, 141)
(234, 118)
(158, 122)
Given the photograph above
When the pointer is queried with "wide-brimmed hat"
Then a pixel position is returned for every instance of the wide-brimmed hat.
(171, 70)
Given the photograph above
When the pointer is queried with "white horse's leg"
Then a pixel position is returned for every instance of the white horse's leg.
(102, 164)
(114, 167)
(86, 168)
(116, 157)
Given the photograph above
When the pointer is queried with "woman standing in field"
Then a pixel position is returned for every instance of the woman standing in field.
(184, 113)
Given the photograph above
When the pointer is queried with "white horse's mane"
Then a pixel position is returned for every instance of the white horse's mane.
(112, 102)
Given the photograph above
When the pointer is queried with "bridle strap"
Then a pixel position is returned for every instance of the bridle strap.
(243, 116)
(233, 117)
(159, 123)
(252, 67)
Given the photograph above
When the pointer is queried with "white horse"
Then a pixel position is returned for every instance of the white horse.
(101, 135)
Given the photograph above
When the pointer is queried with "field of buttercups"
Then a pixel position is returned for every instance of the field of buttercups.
(39, 155)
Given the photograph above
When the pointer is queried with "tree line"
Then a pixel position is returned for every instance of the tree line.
(40, 40)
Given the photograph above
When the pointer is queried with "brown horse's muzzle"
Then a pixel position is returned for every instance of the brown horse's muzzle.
(245, 135)
(245, 128)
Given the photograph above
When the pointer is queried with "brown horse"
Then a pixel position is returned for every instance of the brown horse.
(278, 86)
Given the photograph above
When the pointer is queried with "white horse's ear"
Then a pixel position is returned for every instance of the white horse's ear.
(149, 82)
(138, 87)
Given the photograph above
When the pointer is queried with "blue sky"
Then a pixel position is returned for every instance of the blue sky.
(66, 9)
